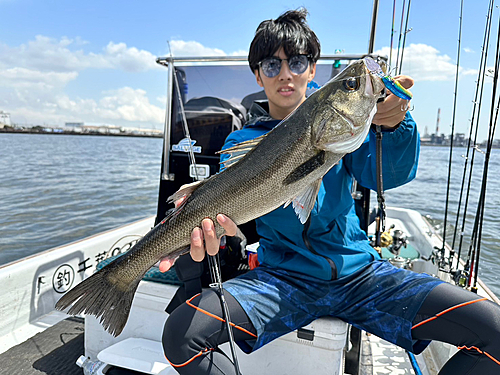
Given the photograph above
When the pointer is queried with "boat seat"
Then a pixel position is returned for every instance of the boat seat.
(153, 274)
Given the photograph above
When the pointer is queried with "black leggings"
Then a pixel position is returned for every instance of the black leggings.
(465, 320)
(194, 330)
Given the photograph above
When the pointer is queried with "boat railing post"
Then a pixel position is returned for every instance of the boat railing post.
(168, 122)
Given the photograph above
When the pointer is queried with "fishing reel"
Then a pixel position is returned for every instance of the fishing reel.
(439, 258)
(393, 242)
(461, 278)
(399, 240)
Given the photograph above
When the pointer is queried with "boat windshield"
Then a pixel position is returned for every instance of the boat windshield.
(233, 81)
(207, 99)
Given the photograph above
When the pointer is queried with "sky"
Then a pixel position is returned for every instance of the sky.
(94, 61)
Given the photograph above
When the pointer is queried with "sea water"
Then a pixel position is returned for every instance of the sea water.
(55, 189)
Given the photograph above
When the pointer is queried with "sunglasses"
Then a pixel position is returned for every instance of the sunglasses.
(271, 66)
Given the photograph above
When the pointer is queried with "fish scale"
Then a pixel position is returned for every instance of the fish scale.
(284, 166)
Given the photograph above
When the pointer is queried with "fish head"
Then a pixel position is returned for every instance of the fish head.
(346, 105)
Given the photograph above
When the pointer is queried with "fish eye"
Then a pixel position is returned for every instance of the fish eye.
(351, 84)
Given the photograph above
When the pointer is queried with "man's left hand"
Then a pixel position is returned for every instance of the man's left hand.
(393, 109)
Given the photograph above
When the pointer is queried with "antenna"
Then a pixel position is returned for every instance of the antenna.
(437, 122)
(169, 49)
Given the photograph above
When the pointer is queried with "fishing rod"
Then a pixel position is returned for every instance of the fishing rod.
(491, 135)
(187, 135)
(445, 263)
(395, 88)
(380, 219)
(359, 192)
(392, 31)
(215, 270)
(213, 261)
(400, 35)
(478, 97)
(406, 31)
(478, 224)
(380, 216)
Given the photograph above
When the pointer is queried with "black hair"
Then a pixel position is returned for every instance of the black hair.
(290, 31)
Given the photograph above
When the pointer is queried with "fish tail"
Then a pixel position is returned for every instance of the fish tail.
(98, 296)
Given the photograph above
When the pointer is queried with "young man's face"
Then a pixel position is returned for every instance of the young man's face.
(287, 90)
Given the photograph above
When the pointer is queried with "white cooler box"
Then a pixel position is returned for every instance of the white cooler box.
(317, 348)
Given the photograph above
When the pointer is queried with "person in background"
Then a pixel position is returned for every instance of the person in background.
(326, 267)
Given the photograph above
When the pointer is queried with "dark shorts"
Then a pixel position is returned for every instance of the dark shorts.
(379, 298)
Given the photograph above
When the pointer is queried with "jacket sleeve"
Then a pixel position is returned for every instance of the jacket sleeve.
(400, 152)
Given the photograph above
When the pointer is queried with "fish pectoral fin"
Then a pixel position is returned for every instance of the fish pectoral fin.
(238, 151)
(184, 191)
(304, 202)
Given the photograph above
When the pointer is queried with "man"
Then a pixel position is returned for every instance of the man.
(326, 266)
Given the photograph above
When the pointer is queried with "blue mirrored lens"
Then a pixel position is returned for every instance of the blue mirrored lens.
(271, 66)
(298, 64)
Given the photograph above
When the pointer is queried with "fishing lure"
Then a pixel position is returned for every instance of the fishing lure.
(396, 88)
(389, 82)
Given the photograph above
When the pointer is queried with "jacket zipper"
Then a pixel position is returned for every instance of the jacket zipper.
(305, 238)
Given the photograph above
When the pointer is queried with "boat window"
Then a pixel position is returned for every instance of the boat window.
(234, 82)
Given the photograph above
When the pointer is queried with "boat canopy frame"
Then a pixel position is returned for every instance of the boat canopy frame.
(171, 62)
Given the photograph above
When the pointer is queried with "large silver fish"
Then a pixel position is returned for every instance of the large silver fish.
(284, 166)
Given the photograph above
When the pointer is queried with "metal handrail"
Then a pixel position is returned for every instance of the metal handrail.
(224, 59)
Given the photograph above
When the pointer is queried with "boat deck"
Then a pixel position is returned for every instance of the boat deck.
(55, 351)
(51, 352)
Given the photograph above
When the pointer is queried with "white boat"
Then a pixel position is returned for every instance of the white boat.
(207, 98)
(34, 338)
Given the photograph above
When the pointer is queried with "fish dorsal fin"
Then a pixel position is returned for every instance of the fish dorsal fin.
(238, 151)
(184, 192)
(180, 196)
(304, 202)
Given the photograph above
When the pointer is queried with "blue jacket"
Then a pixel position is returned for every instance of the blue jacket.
(339, 245)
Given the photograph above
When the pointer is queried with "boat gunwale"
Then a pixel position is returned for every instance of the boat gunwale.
(84, 239)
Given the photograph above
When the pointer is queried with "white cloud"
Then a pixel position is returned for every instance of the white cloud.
(48, 54)
(34, 77)
(129, 59)
(192, 48)
(425, 63)
(120, 107)
(468, 50)
(130, 105)
(240, 52)
(23, 77)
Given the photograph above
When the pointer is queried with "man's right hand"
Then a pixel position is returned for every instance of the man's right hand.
(204, 239)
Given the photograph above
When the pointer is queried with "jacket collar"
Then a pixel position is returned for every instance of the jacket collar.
(258, 115)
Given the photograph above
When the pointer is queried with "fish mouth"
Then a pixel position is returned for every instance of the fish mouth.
(374, 71)
(369, 91)
(344, 117)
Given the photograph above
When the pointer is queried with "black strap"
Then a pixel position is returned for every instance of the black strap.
(380, 187)
(189, 272)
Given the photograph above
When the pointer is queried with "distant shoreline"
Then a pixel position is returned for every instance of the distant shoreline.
(67, 132)
(125, 134)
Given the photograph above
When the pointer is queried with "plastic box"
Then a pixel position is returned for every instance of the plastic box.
(317, 348)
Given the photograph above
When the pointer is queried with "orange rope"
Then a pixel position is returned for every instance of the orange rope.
(480, 352)
(461, 347)
(447, 310)
(189, 360)
(217, 317)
